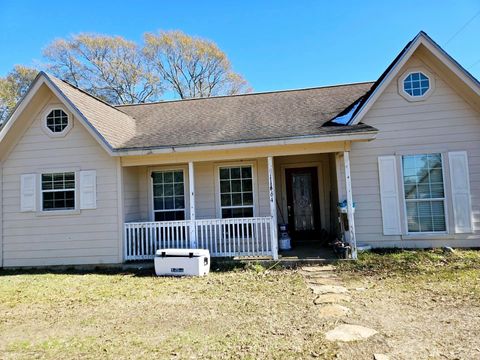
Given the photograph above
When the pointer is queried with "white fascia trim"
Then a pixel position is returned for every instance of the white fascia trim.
(444, 57)
(241, 145)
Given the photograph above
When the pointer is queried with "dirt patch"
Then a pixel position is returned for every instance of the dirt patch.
(425, 305)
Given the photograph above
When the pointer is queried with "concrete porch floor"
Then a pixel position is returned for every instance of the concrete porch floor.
(308, 252)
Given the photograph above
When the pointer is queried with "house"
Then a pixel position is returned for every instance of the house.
(84, 182)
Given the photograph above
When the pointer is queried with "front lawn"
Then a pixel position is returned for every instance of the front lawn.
(237, 314)
(424, 305)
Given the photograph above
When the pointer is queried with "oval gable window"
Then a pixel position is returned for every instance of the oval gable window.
(57, 121)
(416, 84)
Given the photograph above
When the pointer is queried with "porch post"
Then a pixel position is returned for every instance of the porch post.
(273, 208)
(191, 186)
(350, 215)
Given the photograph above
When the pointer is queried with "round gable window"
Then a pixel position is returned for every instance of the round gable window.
(416, 84)
(57, 121)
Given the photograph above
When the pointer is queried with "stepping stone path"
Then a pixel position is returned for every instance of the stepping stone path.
(330, 293)
(347, 332)
(331, 299)
(334, 310)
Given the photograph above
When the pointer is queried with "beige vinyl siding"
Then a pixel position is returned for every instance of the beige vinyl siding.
(131, 192)
(138, 204)
(87, 237)
(443, 122)
(205, 189)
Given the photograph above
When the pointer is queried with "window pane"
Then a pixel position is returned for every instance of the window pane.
(178, 176)
(157, 177)
(237, 199)
(410, 192)
(59, 200)
(226, 200)
(158, 203)
(426, 224)
(236, 191)
(423, 191)
(224, 186)
(247, 199)
(235, 173)
(246, 172)
(179, 202)
(247, 185)
(437, 190)
(168, 203)
(167, 177)
(224, 173)
(168, 189)
(236, 185)
(169, 194)
(157, 190)
(179, 189)
(226, 213)
(248, 212)
(169, 215)
(424, 215)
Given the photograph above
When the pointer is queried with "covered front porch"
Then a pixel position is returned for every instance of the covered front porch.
(231, 202)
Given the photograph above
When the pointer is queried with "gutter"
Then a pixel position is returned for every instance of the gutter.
(304, 139)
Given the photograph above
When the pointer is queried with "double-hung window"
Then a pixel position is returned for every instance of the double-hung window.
(58, 191)
(168, 195)
(424, 193)
(236, 191)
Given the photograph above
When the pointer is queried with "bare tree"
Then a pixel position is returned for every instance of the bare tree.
(13, 87)
(193, 67)
(109, 67)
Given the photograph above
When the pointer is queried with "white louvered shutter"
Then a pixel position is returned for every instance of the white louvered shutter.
(28, 186)
(389, 196)
(88, 189)
(459, 178)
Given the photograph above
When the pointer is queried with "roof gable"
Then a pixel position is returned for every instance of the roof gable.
(91, 112)
(424, 41)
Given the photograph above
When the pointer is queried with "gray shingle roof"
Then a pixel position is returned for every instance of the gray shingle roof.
(113, 125)
(218, 120)
(242, 118)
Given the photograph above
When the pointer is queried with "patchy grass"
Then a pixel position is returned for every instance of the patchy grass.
(238, 314)
(425, 304)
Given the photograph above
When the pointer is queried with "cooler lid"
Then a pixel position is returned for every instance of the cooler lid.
(182, 252)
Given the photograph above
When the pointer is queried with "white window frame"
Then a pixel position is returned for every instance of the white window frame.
(45, 128)
(186, 179)
(218, 203)
(444, 199)
(40, 211)
(407, 96)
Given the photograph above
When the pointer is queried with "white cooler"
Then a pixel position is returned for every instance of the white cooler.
(182, 262)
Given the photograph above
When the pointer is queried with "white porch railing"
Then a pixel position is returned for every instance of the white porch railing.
(244, 237)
